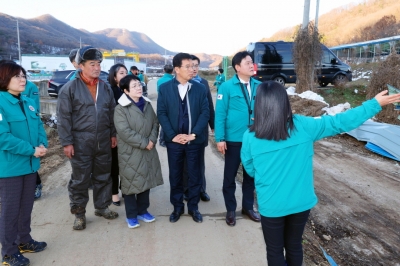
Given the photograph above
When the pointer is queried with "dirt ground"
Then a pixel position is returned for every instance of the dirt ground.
(357, 218)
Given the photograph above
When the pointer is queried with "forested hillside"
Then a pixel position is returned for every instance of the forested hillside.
(372, 19)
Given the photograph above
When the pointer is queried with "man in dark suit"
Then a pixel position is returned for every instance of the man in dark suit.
(183, 112)
(203, 194)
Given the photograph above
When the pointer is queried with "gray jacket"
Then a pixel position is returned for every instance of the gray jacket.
(86, 124)
(139, 168)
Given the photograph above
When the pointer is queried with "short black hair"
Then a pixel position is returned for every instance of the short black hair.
(168, 69)
(125, 81)
(72, 55)
(195, 58)
(7, 72)
(178, 58)
(113, 73)
(4, 61)
(134, 68)
(220, 70)
(273, 118)
(237, 58)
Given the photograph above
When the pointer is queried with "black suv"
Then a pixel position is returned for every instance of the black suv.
(59, 78)
(274, 61)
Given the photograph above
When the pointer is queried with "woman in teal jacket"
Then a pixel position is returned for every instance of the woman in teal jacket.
(278, 152)
(22, 142)
(220, 78)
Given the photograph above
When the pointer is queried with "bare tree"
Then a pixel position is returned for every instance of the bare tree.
(307, 54)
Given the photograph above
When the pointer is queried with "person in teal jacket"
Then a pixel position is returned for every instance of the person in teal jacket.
(22, 143)
(72, 56)
(140, 76)
(219, 79)
(168, 69)
(31, 91)
(278, 152)
(233, 115)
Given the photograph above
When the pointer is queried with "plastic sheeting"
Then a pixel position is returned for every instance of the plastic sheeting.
(385, 136)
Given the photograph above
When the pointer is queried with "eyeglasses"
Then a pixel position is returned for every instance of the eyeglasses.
(20, 77)
(137, 86)
(187, 67)
(195, 66)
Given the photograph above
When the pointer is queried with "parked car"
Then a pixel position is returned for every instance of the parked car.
(59, 78)
(274, 61)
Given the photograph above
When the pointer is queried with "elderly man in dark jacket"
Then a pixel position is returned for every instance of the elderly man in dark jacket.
(183, 112)
(85, 119)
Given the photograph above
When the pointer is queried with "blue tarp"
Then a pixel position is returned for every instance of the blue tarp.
(385, 138)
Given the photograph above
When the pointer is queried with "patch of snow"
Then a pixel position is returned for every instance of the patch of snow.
(340, 108)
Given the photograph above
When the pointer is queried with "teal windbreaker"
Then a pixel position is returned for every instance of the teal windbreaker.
(166, 77)
(283, 170)
(232, 116)
(19, 135)
(32, 91)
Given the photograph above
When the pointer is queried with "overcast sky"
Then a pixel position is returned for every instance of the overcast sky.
(210, 26)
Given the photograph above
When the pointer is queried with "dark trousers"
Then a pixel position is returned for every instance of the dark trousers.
(114, 171)
(177, 153)
(284, 233)
(16, 197)
(86, 169)
(38, 180)
(232, 162)
(203, 176)
(137, 204)
(161, 136)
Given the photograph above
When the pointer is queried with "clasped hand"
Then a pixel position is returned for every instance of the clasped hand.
(40, 151)
(183, 138)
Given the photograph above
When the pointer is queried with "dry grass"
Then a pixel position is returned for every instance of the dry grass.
(386, 73)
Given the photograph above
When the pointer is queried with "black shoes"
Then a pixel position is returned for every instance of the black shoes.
(117, 203)
(204, 196)
(252, 215)
(174, 217)
(32, 246)
(230, 218)
(196, 215)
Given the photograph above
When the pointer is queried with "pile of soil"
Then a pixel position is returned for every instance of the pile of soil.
(55, 152)
(306, 107)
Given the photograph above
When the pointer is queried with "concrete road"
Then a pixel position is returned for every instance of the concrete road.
(185, 242)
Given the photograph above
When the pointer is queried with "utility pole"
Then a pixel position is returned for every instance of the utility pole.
(316, 15)
(19, 45)
(306, 14)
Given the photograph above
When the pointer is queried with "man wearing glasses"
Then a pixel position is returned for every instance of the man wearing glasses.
(85, 120)
(203, 193)
(183, 112)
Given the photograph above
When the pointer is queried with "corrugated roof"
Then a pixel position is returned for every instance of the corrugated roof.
(358, 44)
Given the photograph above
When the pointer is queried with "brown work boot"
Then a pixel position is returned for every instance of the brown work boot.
(80, 223)
(106, 213)
(75, 209)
